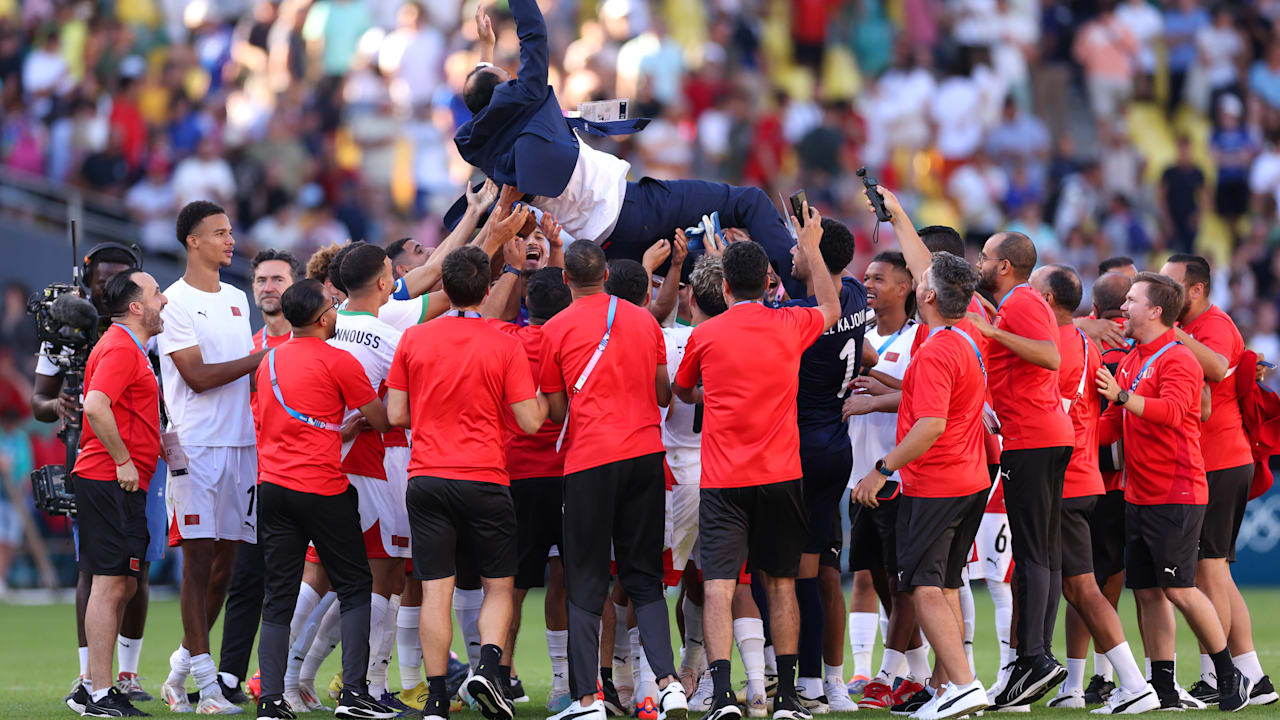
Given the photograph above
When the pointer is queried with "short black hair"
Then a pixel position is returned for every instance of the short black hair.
(584, 263)
(477, 89)
(466, 275)
(302, 301)
(746, 270)
(192, 214)
(1019, 251)
(899, 261)
(335, 264)
(1065, 285)
(1164, 293)
(837, 245)
(942, 238)
(546, 294)
(707, 280)
(1115, 263)
(953, 281)
(629, 281)
(1109, 292)
(121, 290)
(284, 256)
(362, 266)
(1197, 270)
(396, 247)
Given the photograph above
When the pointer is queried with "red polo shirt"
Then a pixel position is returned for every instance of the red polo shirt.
(1026, 395)
(119, 368)
(1222, 439)
(990, 442)
(1080, 363)
(1162, 462)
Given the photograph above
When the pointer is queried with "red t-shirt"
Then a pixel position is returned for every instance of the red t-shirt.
(748, 359)
(944, 380)
(317, 380)
(1082, 477)
(530, 456)
(615, 417)
(461, 374)
(1111, 355)
(990, 441)
(263, 341)
(119, 368)
(1222, 440)
(1025, 395)
(1162, 461)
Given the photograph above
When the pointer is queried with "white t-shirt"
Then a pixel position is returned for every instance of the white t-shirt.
(874, 434)
(1146, 25)
(372, 343)
(404, 314)
(219, 324)
(197, 179)
(589, 205)
(677, 421)
(957, 109)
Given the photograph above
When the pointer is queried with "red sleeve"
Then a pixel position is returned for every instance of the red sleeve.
(114, 373)
(1219, 337)
(352, 382)
(1110, 425)
(398, 375)
(690, 371)
(808, 323)
(934, 379)
(518, 380)
(1177, 393)
(550, 376)
(660, 341)
(1031, 321)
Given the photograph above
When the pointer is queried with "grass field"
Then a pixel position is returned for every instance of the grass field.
(38, 660)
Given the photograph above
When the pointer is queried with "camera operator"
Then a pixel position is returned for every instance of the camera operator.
(119, 450)
(50, 402)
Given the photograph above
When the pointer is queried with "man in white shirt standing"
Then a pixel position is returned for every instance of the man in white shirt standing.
(213, 475)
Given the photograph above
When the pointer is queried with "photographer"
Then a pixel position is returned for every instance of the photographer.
(119, 450)
(50, 402)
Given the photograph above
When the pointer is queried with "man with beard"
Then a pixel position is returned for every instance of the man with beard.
(119, 447)
(407, 254)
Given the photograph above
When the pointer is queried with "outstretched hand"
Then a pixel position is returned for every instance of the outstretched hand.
(481, 199)
(484, 30)
(656, 255)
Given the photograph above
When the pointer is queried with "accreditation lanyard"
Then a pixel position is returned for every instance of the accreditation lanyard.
(889, 340)
(591, 365)
(972, 344)
(263, 345)
(275, 387)
(465, 314)
(1005, 299)
(1147, 365)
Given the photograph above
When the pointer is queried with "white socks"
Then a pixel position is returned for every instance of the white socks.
(918, 663)
(380, 638)
(84, 661)
(1002, 598)
(622, 671)
(409, 647)
(1101, 665)
(862, 637)
(967, 615)
(1247, 663)
(893, 665)
(646, 685)
(466, 606)
(179, 666)
(1127, 675)
(1208, 672)
(749, 633)
(307, 632)
(833, 674)
(1075, 677)
(205, 674)
(770, 658)
(128, 650)
(308, 598)
(327, 635)
(558, 649)
(694, 653)
(99, 694)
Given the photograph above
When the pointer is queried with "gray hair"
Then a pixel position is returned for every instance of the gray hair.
(953, 281)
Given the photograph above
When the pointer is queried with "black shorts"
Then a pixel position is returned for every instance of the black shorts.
(1162, 545)
(1228, 495)
(825, 477)
(113, 528)
(447, 515)
(830, 556)
(936, 537)
(873, 536)
(1106, 534)
(1077, 543)
(762, 524)
(539, 504)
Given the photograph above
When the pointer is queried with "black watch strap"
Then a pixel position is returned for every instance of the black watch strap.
(509, 268)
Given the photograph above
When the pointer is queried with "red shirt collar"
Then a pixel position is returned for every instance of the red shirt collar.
(1153, 346)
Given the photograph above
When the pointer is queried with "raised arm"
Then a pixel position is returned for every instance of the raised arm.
(1213, 364)
(811, 239)
(916, 254)
(424, 277)
(534, 52)
(1043, 353)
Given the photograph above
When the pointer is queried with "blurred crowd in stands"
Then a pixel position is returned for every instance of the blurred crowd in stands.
(1097, 128)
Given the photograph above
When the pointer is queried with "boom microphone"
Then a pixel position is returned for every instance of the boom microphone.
(76, 314)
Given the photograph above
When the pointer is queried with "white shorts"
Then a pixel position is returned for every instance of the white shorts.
(993, 550)
(216, 498)
(384, 520)
(396, 463)
(682, 522)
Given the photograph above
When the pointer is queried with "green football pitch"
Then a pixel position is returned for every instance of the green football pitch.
(38, 657)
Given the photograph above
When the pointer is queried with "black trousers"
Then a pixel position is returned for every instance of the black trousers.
(243, 610)
(287, 521)
(624, 503)
(1033, 499)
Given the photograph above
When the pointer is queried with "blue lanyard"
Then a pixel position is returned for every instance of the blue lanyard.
(464, 314)
(599, 351)
(744, 302)
(1147, 364)
(137, 342)
(972, 344)
(1005, 299)
(263, 345)
(275, 387)
(889, 341)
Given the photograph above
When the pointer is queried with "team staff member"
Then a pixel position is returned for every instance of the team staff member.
(1089, 613)
(1213, 338)
(119, 448)
(752, 500)
(1037, 442)
(1155, 408)
(304, 388)
(205, 358)
(607, 359)
(940, 460)
(462, 373)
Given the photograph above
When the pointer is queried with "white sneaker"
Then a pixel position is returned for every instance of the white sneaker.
(1123, 702)
(838, 696)
(1189, 701)
(672, 704)
(701, 700)
(576, 711)
(626, 693)
(294, 700)
(215, 704)
(310, 698)
(808, 691)
(757, 706)
(1073, 700)
(175, 696)
(956, 701)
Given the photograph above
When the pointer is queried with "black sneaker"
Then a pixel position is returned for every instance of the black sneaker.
(276, 709)
(356, 705)
(1233, 691)
(1263, 692)
(788, 707)
(1029, 679)
(911, 704)
(517, 693)
(1099, 690)
(456, 673)
(234, 695)
(113, 704)
(1169, 700)
(723, 708)
(612, 701)
(490, 696)
(1204, 692)
(77, 698)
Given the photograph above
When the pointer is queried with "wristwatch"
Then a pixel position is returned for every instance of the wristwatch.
(883, 469)
(509, 268)
(1122, 397)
